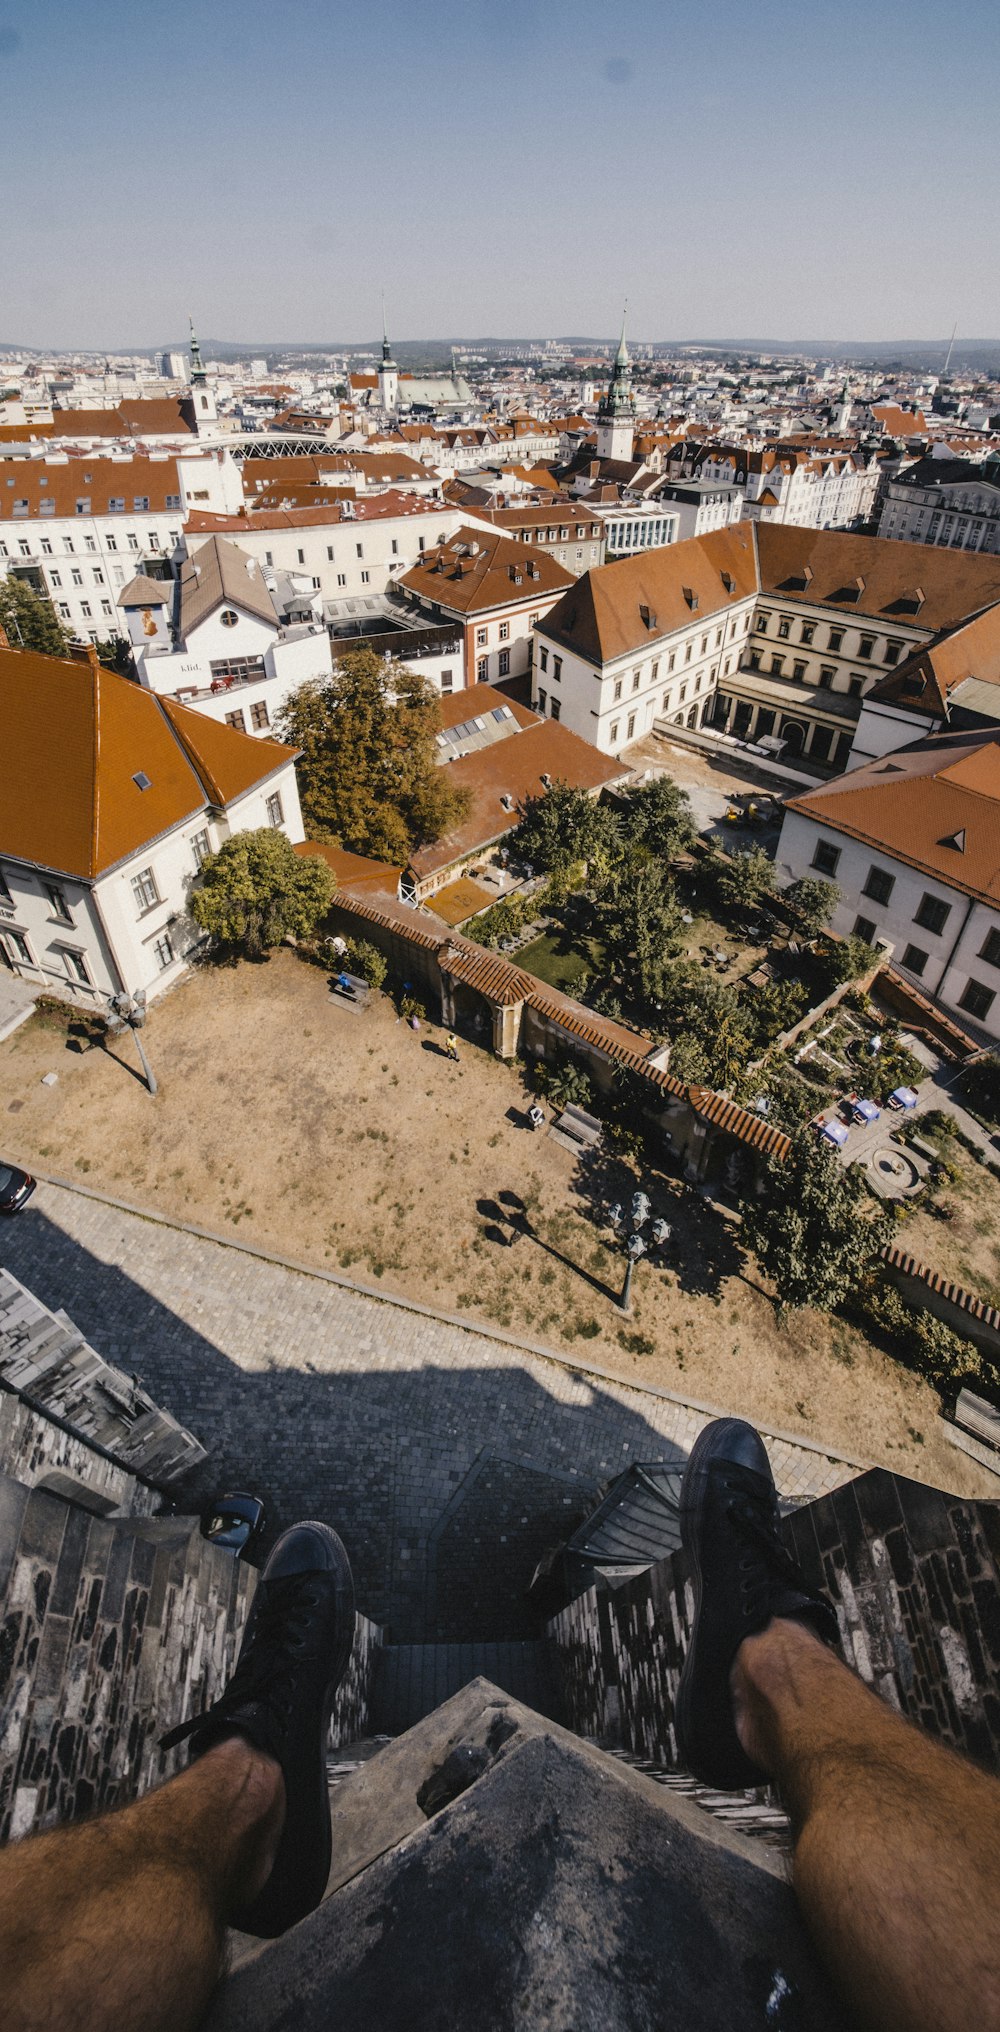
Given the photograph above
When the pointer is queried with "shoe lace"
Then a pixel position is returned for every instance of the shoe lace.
(268, 1663)
(752, 1509)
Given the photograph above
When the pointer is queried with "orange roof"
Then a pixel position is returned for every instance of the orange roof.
(75, 739)
(160, 416)
(476, 571)
(355, 869)
(456, 706)
(98, 479)
(513, 768)
(347, 509)
(934, 805)
(604, 614)
(898, 422)
(926, 680)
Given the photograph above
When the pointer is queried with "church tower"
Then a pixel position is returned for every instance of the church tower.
(388, 373)
(616, 415)
(201, 394)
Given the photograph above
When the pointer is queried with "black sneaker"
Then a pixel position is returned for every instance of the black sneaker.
(743, 1576)
(294, 1652)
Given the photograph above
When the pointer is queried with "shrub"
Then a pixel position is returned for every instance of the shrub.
(565, 1084)
(923, 1342)
(365, 959)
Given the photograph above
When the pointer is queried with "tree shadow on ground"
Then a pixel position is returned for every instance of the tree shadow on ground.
(518, 1226)
(703, 1249)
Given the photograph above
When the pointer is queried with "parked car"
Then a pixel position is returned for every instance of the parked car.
(16, 1188)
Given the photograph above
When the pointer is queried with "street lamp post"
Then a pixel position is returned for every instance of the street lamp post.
(634, 1241)
(128, 1012)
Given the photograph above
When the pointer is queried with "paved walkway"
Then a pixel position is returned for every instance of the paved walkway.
(449, 1459)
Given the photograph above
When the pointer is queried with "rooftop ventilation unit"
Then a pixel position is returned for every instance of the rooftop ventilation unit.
(506, 800)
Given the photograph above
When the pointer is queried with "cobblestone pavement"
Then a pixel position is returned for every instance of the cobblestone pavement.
(448, 1460)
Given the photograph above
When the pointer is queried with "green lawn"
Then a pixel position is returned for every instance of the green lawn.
(554, 960)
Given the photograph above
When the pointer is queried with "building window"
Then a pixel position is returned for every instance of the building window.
(618, 689)
(85, 609)
(761, 623)
(201, 847)
(366, 578)
(63, 610)
(145, 891)
(879, 885)
(482, 669)
(555, 707)
(394, 547)
(55, 581)
(5, 895)
(329, 554)
(301, 556)
(481, 638)
(237, 719)
(990, 949)
(229, 668)
(275, 814)
(932, 915)
(163, 951)
(836, 638)
(557, 668)
(57, 903)
(17, 944)
(341, 578)
(133, 541)
(636, 679)
(630, 729)
(977, 1000)
(855, 686)
(865, 647)
(807, 632)
(140, 504)
(505, 631)
(544, 658)
(503, 663)
(893, 651)
(826, 857)
(777, 665)
(827, 674)
(914, 959)
(784, 628)
(229, 617)
(798, 670)
(864, 927)
(76, 575)
(542, 697)
(447, 680)
(259, 716)
(76, 965)
(614, 732)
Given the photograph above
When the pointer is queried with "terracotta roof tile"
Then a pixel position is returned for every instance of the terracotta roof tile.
(477, 570)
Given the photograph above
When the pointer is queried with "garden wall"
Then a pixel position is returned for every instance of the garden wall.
(927, 1290)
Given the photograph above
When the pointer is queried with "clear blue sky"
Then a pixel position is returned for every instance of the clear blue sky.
(501, 166)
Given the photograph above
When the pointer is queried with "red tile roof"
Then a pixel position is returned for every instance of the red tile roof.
(477, 571)
(513, 768)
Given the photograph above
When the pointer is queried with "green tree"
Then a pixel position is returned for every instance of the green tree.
(813, 903)
(708, 1028)
(29, 619)
(844, 959)
(257, 891)
(772, 1009)
(638, 921)
(369, 777)
(744, 879)
(115, 652)
(657, 819)
(813, 1229)
(980, 1082)
(562, 826)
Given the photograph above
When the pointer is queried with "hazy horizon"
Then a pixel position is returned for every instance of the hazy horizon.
(503, 171)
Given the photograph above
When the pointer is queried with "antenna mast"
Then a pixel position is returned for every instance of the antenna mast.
(951, 344)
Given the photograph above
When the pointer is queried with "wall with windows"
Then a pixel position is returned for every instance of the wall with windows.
(132, 926)
(674, 677)
(961, 516)
(348, 558)
(499, 644)
(794, 655)
(944, 941)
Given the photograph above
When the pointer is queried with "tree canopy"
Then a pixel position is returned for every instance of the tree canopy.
(30, 620)
(744, 879)
(657, 819)
(564, 826)
(814, 1230)
(639, 923)
(369, 777)
(257, 891)
(844, 959)
(708, 1027)
(813, 902)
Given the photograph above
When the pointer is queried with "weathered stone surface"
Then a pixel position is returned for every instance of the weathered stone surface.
(560, 1892)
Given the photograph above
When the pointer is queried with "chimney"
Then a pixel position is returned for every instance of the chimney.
(4, 643)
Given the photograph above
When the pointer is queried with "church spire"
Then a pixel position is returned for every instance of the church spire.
(387, 359)
(619, 401)
(198, 375)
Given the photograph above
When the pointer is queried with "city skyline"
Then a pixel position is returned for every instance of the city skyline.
(495, 174)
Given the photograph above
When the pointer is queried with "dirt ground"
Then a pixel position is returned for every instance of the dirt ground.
(966, 1248)
(350, 1141)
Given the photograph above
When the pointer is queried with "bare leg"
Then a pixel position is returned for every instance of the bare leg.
(897, 1839)
(119, 1921)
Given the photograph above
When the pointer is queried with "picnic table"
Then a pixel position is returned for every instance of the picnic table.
(351, 990)
(577, 1130)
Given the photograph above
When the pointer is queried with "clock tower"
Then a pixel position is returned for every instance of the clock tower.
(616, 415)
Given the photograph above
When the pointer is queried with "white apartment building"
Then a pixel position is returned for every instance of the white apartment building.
(111, 800)
(946, 501)
(814, 620)
(215, 640)
(495, 591)
(639, 525)
(910, 846)
(647, 639)
(349, 549)
(78, 529)
(700, 506)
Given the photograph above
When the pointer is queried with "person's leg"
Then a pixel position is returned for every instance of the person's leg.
(119, 1921)
(897, 1839)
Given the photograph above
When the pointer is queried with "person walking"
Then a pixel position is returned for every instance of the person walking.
(453, 1046)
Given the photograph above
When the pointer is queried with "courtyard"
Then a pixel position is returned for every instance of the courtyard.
(346, 1140)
